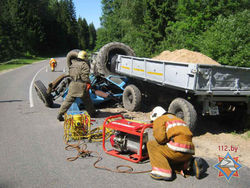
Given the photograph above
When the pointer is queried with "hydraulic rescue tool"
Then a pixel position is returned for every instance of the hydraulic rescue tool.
(129, 139)
(76, 126)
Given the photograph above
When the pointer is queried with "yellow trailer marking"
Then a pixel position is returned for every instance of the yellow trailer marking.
(125, 67)
(141, 70)
(155, 73)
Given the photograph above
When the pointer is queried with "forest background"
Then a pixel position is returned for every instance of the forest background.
(219, 29)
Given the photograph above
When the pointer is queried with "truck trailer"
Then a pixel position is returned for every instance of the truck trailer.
(185, 89)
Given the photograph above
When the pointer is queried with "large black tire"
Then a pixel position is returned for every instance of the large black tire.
(184, 110)
(71, 55)
(42, 93)
(131, 98)
(105, 56)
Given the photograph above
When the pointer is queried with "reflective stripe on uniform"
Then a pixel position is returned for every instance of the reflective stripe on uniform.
(171, 124)
(180, 147)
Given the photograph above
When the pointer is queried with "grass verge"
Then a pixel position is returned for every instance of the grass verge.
(246, 135)
(15, 63)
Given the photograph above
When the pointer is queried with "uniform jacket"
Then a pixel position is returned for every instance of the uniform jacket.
(173, 131)
(79, 72)
(53, 61)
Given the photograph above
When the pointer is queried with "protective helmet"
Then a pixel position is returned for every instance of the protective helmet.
(157, 112)
(82, 55)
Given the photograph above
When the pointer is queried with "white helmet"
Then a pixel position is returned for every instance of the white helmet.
(157, 112)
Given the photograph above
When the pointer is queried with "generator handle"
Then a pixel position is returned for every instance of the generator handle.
(141, 138)
(106, 121)
(146, 127)
(112, 117)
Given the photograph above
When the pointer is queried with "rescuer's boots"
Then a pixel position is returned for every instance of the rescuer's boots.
(60, 117)
(199, 167)
(159, 177)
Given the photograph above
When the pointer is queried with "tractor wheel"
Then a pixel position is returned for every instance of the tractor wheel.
(72, 55)
(184, 110)
(42, 93)
(131, 98)
(105, 61)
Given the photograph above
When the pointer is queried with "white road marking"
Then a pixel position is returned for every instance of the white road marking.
(31, 85)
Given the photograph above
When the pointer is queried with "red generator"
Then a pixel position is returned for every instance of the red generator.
(128, 140)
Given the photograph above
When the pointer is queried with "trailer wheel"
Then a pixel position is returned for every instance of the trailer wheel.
(103, 63)
(131, 98)
(184, 110)
(42, 93)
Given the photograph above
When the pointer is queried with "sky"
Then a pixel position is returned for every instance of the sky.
(91, 10)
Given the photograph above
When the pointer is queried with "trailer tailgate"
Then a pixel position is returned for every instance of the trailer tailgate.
(223, 80)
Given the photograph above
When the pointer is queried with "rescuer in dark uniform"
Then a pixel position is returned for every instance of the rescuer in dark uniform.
(79, 72)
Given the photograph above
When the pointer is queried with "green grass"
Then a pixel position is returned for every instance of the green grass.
(234, 133)
(15, 63)
(246, 135)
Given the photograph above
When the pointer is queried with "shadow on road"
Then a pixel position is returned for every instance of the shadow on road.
(107, 114)
(216, 125)
(58, 71)
(55, 105)
(11, 101)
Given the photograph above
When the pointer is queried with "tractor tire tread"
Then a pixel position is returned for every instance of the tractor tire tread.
(190, 114)
(136, 100)
(100, 66)
(42, 93)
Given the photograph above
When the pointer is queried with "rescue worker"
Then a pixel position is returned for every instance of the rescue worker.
(79, 72)
(52, 64)
(172, 148)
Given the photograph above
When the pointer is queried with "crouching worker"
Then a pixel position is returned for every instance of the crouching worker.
(172, 150)
(79, 72)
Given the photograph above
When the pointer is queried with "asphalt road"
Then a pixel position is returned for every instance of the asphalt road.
(32, 150)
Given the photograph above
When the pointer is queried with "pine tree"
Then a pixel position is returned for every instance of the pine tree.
(83, 34)
(92, 36)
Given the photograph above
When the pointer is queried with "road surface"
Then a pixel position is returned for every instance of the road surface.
(32, 150)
